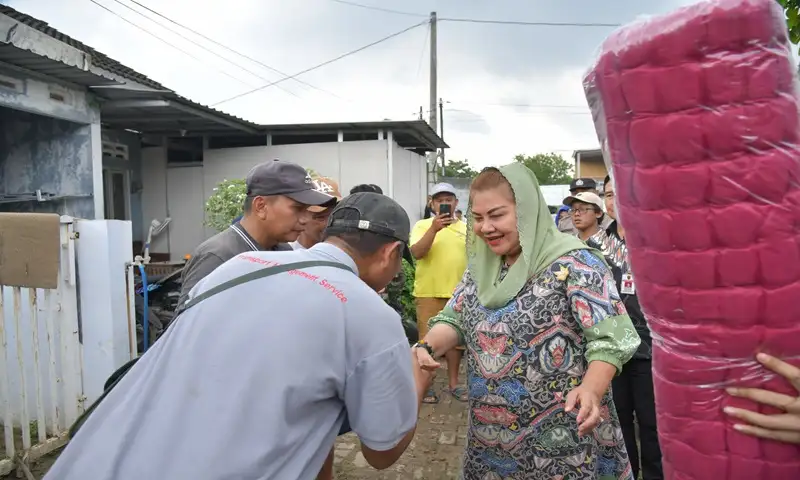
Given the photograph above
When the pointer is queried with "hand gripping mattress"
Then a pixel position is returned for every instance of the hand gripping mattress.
(697, 115)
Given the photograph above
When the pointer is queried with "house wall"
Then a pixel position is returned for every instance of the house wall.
(186, 199)
(50, 144)
(47, 154)
(349, 163)
(134, 167)
(34, 96)
(592, 168)
(409, 181)
(180, 191)
(154, 194)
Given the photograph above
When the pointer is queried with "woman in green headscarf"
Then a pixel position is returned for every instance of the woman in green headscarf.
(545, 329)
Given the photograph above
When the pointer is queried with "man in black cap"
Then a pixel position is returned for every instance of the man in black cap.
(366, 187)
(306, 341)
(275, 213)
(579, 185)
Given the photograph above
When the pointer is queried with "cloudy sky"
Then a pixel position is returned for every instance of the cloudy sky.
(508, 89)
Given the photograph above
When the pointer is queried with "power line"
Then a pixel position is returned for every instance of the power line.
(340, 57)
(520, 105)
(256, 61)
(165, 41)
(479, 20)
(179, 34)
(480, 118)
(379, 9)
(535, 24)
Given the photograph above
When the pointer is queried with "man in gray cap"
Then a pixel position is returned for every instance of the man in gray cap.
(306, 341)
(275, 212)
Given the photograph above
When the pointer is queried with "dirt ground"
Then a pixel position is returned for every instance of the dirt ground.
(435, 452)
(43, 465)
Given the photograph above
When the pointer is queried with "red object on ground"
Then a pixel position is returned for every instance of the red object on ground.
(697, 114)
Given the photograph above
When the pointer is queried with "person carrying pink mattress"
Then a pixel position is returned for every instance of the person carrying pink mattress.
(783, 426)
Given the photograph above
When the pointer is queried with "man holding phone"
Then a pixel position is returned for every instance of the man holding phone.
(439, 245)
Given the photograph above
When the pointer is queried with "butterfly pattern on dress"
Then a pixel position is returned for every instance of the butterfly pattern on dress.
(522, 360)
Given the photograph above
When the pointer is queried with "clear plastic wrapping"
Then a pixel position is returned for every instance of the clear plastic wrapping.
(697, 117)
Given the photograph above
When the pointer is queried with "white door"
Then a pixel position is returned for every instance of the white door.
(186, 207)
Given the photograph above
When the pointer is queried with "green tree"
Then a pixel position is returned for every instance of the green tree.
(458, 169)
(792, 9)
(549, 168)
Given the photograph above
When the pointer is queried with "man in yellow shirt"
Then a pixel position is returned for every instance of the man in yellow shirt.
(439, 244)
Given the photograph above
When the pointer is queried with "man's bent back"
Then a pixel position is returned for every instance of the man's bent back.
(254, 383)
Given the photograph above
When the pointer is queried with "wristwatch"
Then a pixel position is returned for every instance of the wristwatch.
(423, 344)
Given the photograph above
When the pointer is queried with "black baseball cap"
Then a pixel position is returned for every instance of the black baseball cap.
(582, 183)
(277, 177)
(372, 212)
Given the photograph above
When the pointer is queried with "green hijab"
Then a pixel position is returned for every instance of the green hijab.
(541, 242)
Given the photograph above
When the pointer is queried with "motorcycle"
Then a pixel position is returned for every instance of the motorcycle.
(163, 292)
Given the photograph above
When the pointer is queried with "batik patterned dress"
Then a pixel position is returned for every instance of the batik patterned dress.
(522, 361)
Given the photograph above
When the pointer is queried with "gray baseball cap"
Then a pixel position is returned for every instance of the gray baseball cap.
(277, 177)
(372, 212)
(442, 188)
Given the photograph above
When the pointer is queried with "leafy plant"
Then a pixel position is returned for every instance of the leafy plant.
(407, 297)
(225, 204)
(792, 9)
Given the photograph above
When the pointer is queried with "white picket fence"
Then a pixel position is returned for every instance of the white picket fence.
(41, 384)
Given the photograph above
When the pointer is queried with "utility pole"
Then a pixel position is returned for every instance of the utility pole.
(433, 94)
(441, 129)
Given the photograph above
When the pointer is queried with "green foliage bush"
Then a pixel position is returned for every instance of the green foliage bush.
(225, 204)
(407, 297)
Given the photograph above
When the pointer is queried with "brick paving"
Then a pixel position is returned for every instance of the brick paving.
(435, 452)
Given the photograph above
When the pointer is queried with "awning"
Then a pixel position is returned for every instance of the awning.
(414, 135)
(166, 113)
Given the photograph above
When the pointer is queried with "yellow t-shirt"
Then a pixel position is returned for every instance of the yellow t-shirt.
(439, 272)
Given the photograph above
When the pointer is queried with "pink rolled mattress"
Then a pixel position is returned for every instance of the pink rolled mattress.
(697, 115)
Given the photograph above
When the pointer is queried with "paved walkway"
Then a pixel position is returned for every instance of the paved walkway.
(435, 452)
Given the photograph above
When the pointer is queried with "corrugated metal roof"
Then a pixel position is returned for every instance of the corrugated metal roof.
(418, 128)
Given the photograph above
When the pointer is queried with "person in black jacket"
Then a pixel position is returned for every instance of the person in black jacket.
(633, 388)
